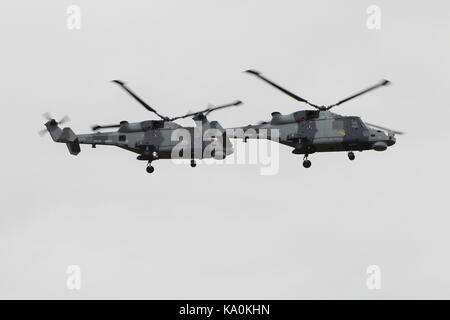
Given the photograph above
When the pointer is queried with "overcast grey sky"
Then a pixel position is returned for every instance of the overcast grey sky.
(223, 231)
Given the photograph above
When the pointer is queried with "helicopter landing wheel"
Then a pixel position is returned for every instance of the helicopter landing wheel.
(307, 163)
(351, 155)
(150, 168)
(193, 163)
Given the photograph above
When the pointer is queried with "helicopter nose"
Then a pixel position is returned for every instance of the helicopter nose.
(379, 145)
(384, 143)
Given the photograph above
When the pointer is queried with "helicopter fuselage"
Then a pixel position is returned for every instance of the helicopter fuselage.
(310, 131)
(154, 139)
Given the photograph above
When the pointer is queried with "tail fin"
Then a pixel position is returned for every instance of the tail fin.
(53, 129)
(72, 141)
(65, 135)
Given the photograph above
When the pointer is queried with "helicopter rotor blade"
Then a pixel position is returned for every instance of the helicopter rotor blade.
(213, 108)
(64, 120)
(383, 82)
(97, 127)
(181, 117)
(384, 128)
(208, 110)
(290, 94)
(42, 132)
(142, 102)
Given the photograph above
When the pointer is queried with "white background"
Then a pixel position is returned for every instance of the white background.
(223, 231)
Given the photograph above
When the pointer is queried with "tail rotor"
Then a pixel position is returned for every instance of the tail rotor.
(51, 121)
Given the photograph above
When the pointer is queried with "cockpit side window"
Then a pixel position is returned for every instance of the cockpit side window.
(356, 123)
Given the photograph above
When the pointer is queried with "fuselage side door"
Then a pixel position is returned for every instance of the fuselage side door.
(353, 130)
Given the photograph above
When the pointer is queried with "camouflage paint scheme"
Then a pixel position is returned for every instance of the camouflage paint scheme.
(307, 131)
(151, 139)
(310, 131)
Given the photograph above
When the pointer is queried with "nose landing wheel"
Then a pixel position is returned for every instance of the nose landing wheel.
(306, 162)
(351, 156)
(193, 163)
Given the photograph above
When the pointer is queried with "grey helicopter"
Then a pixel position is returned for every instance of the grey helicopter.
(153, 139)
(320, 130)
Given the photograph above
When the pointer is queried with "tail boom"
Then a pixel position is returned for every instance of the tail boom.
(65, 135)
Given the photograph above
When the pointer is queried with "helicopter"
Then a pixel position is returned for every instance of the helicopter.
(153, 139)
(320, 130)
